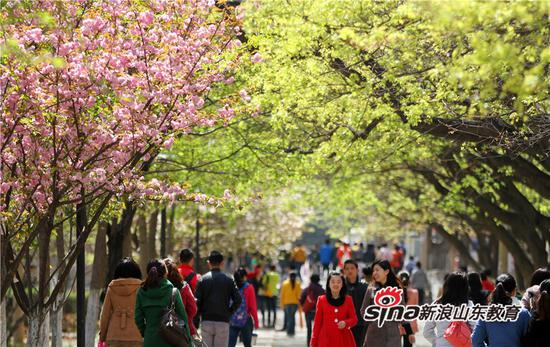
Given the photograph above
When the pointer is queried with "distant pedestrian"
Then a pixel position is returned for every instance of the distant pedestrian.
(419, 281)
(154, 296)
(325, 256)
(116, 324)
(356, 289)
(217, 299)
(335, 316)
(186, 293)
(502, 334)
(270, 282)
(344, 253)
(370, 254)
(477, 294)
(245, 319)
(486, 281)
(290, 298)
(384, 253)
(410, 265)
(308, 301)
(397, 259)
(298, 258)
(538, 333)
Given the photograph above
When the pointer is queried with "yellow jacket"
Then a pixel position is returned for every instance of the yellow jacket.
(290, 295)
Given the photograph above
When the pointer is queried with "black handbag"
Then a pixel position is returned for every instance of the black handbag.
(172, 328)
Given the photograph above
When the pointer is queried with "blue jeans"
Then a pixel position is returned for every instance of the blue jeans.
(245, 332)
(290, 318)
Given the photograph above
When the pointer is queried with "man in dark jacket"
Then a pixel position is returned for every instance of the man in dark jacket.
(356, 289)
(217, 299)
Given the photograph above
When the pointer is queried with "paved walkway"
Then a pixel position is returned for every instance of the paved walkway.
(272, 338)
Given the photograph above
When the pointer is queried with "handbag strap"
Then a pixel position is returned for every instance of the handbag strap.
(173, 298)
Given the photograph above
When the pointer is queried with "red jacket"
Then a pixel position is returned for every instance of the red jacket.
(251, 307)
(184, 271)
(190, 306)
(325, 326)
(488, 285)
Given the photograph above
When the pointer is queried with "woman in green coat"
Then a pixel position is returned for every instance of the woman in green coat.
(152, 298)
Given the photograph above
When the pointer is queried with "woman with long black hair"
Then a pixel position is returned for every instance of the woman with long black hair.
(290, 298)
(116, 326)
(388, 335)
(502, 334)
(334, 316)
(455, 292)
(153, 297)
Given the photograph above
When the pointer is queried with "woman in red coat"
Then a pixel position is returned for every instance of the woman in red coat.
(186, 293)
(335, 316)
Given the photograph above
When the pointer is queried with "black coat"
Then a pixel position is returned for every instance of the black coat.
(217, 296)
(357, 292)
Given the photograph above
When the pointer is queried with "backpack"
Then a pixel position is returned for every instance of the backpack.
(458, 334)
(310, 303)
(240, 317)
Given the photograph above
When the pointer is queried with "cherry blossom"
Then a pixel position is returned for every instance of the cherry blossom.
(133, 76)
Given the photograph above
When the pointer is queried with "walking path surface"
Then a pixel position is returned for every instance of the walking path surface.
(272, 338)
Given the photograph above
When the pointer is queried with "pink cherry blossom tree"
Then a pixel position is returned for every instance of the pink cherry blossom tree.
(112, 83)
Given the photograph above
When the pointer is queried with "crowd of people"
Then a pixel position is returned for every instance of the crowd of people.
(217, 309)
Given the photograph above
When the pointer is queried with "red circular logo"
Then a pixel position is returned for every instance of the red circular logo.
(388, 297)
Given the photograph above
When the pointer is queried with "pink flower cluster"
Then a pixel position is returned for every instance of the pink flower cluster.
(134, 75)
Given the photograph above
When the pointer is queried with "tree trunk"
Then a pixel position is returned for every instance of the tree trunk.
(56, 324)
(142, 236)
(3, 322)
(56, 314)
(455, 241)
(152, 236)
(37, 335)
(163, 232)
(170, 230)
(3, 316)
(81, 221)
(96, 285)
(119, 243)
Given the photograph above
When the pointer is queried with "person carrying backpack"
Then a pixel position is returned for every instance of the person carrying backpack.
(245, 319)
(187, 257)
(308, 301)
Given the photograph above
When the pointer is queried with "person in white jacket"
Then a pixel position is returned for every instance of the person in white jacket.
(455, 292)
